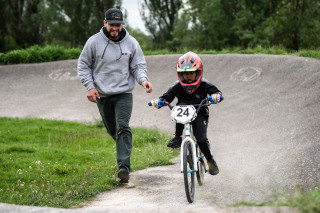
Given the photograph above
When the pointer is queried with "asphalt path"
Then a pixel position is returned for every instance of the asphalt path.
(264, 135)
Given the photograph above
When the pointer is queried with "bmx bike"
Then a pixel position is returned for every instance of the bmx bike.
(192, 159)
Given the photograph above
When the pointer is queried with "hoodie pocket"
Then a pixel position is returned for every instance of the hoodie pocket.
(112, 82)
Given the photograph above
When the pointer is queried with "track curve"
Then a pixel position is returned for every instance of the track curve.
(265, 134)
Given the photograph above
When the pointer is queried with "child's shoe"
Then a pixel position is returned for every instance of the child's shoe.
(213, 167)
(175, 142)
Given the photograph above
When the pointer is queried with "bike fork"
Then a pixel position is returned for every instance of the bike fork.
(193, 148)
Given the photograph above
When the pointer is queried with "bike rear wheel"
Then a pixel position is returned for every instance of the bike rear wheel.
(201, 169)
(188, 171)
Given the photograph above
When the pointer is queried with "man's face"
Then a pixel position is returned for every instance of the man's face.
(189, 77)
(113, 29)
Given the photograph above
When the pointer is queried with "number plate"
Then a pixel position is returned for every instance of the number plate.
(183, 114)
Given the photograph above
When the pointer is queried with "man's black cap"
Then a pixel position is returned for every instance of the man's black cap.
(114, 16)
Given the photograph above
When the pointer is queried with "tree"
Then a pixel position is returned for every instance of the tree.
(251, 24)
(229, 23)
(21, 24)
(74, 21)
(3, 24)
(210, 25)
(143, 39)
(297, 24)
(160, 16)
(183, 37)
(68, 23)
(217, 24)
(33, 30)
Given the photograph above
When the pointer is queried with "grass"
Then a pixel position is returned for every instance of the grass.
(306, 201)
(62, 164)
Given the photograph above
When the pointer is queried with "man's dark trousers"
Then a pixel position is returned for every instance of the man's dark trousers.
(115, 111)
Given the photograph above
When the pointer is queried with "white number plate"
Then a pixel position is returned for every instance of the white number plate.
(183, 114)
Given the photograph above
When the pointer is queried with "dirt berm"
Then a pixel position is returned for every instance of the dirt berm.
(265, 135)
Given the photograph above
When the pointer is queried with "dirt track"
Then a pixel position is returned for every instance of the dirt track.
(264, 135)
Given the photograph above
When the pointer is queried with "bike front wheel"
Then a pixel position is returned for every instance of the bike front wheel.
(188, 171)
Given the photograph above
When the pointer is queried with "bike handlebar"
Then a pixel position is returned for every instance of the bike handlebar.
(202, 104)
(164, 103)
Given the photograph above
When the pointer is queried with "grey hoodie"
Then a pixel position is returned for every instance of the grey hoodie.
(111, 67)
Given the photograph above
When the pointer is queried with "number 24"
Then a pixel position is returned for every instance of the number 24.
(182, 113)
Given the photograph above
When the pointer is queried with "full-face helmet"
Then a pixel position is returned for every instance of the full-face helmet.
(189, 62)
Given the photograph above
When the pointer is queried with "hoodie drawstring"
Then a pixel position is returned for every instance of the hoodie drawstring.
(105, 49)
(120, 52)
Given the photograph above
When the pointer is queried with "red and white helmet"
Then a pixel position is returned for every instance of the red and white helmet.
(187, 63)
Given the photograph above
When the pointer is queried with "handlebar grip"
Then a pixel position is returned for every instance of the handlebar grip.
(163, 103)
(221, 98)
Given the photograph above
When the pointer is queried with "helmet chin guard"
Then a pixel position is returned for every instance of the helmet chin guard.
(189, 62)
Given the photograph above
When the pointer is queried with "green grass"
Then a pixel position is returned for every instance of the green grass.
(62, 164)
(303, 200)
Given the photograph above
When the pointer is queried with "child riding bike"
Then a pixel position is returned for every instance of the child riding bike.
(191, 88)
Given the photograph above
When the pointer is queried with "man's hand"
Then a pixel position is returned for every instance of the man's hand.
(91, 95)
(147, 85)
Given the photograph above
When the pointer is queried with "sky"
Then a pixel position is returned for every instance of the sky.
(134, 19)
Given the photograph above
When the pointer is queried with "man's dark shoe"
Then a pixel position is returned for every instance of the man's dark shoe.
(213, 167)
(123, 175)
(175, 142)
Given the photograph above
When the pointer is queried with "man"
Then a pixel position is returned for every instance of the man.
(108, 66)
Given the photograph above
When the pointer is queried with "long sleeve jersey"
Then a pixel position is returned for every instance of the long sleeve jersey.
(205, 88)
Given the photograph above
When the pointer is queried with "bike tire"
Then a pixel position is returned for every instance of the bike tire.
(188, 171)
(201, 171)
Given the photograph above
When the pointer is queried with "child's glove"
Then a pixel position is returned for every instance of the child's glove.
(215, 98)
(157, 103)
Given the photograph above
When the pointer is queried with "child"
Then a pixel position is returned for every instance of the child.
(191, 88)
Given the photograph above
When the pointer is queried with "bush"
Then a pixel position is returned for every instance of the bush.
(2, 55)
(53, 53)
(37, 54)
(73, 53)
(16, 57)
(310, 53)
(34, 54)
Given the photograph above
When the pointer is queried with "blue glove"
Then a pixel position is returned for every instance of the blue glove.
(215, 98)
(157, 103)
